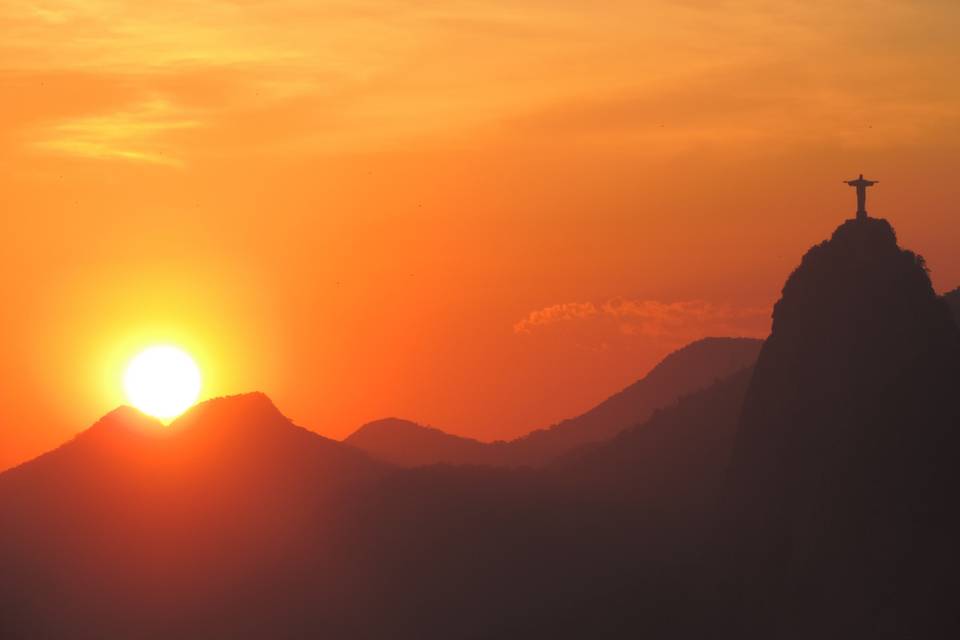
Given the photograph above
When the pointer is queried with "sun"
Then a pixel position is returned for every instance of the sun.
(162, 381)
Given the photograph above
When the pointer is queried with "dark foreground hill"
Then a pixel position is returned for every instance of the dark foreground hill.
(232, 524)
(845, 478)
(133, 529)
(952, 298)
(685, 371)
(608, 542)
(675, 464)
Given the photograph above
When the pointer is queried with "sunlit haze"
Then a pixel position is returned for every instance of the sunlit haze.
(485, 217)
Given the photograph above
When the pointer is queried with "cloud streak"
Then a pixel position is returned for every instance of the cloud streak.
(652, 319)
(135, 134)
(656, 75)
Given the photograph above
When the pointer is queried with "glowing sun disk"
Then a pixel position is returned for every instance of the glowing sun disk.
(162, 381)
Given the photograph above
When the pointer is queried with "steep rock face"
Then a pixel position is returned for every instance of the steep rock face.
(952, 298)
(844, 477)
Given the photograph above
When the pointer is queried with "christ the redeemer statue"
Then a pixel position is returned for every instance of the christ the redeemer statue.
(861, 186)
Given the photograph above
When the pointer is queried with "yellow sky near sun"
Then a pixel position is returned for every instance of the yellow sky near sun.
(351, 205)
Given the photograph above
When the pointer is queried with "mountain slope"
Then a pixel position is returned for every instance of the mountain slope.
(845, 479)
(409, 444)
(147, 529)
(676, 461)
(694, 367)
(952, 298)
(603, 542)
(689, 369)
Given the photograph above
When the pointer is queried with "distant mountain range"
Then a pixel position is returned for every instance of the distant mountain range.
(808, 492)
(685, 371)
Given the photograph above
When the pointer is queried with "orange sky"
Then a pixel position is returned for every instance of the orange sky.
(486, 216)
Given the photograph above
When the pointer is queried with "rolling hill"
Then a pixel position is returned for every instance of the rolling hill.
(689, 369)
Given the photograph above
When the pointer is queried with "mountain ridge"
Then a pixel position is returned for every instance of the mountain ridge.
(681, 372)
(811, 494)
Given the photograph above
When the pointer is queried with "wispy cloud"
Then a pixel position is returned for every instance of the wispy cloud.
(555, 313)
(657, 75)
(134, 134)
(670, 321)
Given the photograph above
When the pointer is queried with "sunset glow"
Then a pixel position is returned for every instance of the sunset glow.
(162, 381)
(484, 216)
(502, 319)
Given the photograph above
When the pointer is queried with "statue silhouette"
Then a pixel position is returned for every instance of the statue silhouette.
(861, 186)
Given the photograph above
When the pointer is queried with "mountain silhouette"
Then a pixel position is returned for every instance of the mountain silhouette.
(134, 529)
(409, 444)
(675, 462)
(810, 493)
(604, 542)
(689, 369)
(844, 480)
(684, 371)
(952, 298)
(237, 435)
